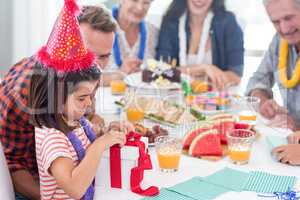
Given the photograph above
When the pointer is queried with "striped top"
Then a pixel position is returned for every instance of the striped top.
(50, 145)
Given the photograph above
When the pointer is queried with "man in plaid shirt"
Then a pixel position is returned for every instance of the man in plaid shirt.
(16, 132)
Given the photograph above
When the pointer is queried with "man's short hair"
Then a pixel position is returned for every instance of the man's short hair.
(98, 18)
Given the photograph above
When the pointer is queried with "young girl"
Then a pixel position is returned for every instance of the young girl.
(63, 134)
(62, 89)
(60, 102)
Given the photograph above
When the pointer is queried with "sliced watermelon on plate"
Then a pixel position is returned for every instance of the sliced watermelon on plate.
(189, 137)
(240, 125)
(206, 144)
(224, 126)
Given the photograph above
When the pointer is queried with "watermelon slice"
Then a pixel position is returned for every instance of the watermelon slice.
(224, 126)
(189, 137)
(206, 144)
(239, 125)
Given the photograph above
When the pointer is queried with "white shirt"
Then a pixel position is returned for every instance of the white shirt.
(192, 59)
(127, 51)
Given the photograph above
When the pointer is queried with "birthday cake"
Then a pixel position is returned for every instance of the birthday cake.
(160, 73)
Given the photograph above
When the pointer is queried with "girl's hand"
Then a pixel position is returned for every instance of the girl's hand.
(121, 126)
(113, 137)
(98, 125)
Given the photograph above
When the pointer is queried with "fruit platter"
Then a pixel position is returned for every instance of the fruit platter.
(208, 140)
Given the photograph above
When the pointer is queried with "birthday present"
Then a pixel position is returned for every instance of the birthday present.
(123, 167)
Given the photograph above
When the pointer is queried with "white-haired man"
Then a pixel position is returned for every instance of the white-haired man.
(281, 65)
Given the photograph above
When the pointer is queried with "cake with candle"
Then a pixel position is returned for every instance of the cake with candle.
(161, 73)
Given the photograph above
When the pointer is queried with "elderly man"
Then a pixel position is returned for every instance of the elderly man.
(281, 65)
(16, 132)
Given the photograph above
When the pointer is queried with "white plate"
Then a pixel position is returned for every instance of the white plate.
(135, 80)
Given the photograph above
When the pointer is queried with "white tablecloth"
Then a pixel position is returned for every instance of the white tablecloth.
(6, 189)
(190, 167)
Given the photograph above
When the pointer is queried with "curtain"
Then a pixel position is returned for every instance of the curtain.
(32, 24)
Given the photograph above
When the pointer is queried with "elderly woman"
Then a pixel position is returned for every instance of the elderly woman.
(135, 39)
(205, 39)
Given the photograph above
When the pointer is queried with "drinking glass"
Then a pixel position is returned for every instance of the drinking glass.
(168, 150)
(239, 145)
(117, 84)
(248, 108)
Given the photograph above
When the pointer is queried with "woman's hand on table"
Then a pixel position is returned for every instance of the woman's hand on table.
(294, 138)
(288, 154)
(131, 65)
(217, 77)
(232, 78)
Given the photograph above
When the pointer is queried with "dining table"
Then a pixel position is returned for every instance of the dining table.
(189, 167)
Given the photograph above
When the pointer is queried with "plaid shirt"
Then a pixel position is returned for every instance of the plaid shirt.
(16, 133)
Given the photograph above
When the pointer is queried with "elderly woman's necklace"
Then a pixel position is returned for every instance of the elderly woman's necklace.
(282, 67)
(143, 37)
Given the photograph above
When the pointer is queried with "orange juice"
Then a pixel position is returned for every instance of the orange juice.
(134, 114)
(168, 161)
(239, 156)
(247, 116)
(117, 87)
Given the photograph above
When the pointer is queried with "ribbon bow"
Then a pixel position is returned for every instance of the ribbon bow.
(137, 173)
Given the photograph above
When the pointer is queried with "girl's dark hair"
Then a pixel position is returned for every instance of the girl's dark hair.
(49, 91)
(178, 7)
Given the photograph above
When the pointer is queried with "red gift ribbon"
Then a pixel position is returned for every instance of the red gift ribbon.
(137, 173)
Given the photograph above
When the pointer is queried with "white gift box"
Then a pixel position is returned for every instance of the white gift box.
(129, 159)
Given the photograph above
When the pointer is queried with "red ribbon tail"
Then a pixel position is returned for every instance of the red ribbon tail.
(135, 179)
(115, 167)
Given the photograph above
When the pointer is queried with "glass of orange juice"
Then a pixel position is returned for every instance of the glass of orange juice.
(239, 145)
(118, 87)
(117, 84)
(248, 108)
(134, 114)
(168, 151)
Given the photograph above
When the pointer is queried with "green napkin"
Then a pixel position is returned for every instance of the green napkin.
(275, 141)
(267, 183)
(165, 194)
(231, 179)
(198, 189)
